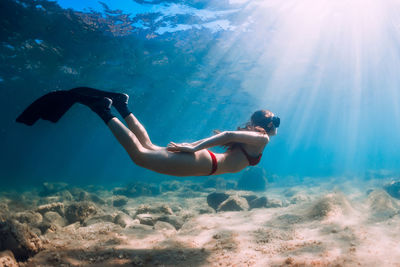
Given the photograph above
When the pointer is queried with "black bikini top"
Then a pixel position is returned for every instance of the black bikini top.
(252, 160)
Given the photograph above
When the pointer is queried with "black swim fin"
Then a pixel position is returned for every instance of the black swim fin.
(119, 100)
(51, 107)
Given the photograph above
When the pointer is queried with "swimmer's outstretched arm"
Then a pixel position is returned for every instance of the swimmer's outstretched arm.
(219, 139)
(215, 140)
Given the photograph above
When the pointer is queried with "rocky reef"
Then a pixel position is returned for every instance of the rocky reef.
(183, 223)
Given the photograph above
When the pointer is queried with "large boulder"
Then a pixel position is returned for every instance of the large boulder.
(80, 211)
(253, 179)
(234, 203)
(19, 239)
(216, 198)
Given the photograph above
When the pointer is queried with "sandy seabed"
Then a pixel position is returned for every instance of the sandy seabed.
(317, 224)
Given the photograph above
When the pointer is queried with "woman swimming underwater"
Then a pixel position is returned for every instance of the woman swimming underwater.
(245, 145)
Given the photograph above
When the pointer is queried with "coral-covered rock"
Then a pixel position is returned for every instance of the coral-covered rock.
(80, 211)
(234, 203)
(7, 259)
(19, 239)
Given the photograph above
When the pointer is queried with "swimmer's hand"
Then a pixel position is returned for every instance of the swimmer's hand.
(183, 147)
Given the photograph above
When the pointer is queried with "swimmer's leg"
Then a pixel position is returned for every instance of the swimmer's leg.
(120, 102)
(138, 129)
(102, 106)
(129, 141)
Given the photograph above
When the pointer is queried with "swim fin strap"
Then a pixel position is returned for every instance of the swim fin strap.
(51, 107)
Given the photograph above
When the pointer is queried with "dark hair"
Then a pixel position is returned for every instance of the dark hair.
(258, 123)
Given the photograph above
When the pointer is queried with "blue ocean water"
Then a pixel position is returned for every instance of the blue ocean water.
(329, 70)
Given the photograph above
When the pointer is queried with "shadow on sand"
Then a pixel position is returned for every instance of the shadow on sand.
(121, 257)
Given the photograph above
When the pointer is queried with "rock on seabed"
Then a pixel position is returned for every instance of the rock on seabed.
(19, 239)
(234, 203)
(7, 259)
(80, 211)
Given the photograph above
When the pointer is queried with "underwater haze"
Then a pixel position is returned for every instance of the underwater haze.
(329, 69)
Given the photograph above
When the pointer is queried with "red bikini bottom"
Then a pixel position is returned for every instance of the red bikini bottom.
(214, 162)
